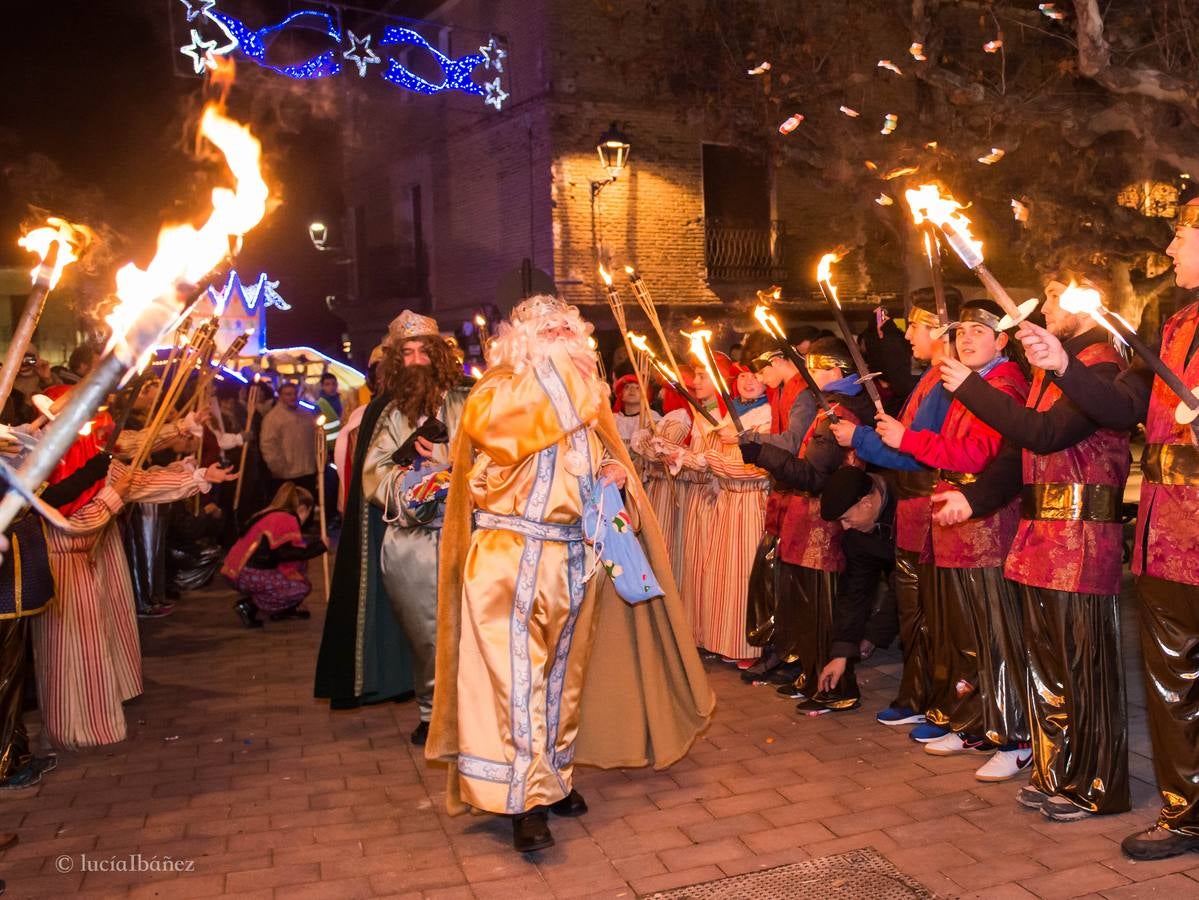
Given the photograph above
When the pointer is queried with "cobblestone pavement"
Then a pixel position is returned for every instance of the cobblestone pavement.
(233, 768)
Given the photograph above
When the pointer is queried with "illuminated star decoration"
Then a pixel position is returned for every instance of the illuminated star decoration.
(495, 94)
(356, 51)
(493, 55)
(254, 43)
(263, 289)
(456, 71)
(200, 52)
(197, 8)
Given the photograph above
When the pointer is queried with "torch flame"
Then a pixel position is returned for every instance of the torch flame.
(320, 420)
(927, 203)
(186, 254)
(769, 321)
(632, 273)
(1081, 300)
(72, 241)
(700, 346)
(476, 373)
(480, 321)
(641, 345)
(604, 275)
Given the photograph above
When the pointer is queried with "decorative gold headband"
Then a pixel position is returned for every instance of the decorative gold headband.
(1188, 217)
(921, 316)
(825, 361)
(980, 317)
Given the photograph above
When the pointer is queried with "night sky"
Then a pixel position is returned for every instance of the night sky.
(93, 87)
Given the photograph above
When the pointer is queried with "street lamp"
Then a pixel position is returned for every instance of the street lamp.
(613, 149)
(318, 232)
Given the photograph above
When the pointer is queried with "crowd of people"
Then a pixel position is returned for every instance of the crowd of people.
(787, 520)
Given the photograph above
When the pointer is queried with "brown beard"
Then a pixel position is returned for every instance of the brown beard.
(418, 391)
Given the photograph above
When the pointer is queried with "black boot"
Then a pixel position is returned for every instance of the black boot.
(571, 805)
(420, 734)
(292, 612)
(530, 831)
(248, 613)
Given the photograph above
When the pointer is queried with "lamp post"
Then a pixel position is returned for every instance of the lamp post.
(613, 149)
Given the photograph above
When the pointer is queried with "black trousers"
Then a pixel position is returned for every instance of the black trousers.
(914, 581)
(1169, 613)
(14, 741)
(1076, 698)
(761, 600)
(805, 614)
(976, 645)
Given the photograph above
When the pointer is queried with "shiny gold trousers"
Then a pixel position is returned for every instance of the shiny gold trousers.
(14, 742)
(763, 586)
(1169, 614)
(1076, 698)
(804, 619)
(976, 644)
(914, 580)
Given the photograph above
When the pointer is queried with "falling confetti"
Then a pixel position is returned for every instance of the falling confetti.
(790, 124)
(883, 200)
(1020, 211)
(993, 46)
(917, 51)
(871, 165)
(1051, 10)
(899, 172)
(890, 123)
(852, 113)
(760, 69)
(889, 66)
(991, 158)
(931, 145)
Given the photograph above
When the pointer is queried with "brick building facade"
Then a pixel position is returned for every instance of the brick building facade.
(445, 197)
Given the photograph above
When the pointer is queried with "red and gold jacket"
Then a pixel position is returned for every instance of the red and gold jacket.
(1055, 550)
(779, 497)
(1168, 523)
(962, 449)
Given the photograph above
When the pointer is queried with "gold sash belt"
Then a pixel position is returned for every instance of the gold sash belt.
(915, 484)
(958, 478)
(1171, 464)
(1070, 503)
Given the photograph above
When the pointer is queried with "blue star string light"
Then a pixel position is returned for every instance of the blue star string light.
(263, 290)
(254, 44)
(357, 50)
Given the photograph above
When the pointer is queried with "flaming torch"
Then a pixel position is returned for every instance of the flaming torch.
(617, 307)
(484, 335)
(932, 252)
(1075, 299)
(151, 299)
(646, 302)
(770, 324)
(670, 376)
(927, 203)
(58, 243)
(701, 348)
(824, 275)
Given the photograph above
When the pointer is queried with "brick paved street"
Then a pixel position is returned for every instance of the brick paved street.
(231, 765)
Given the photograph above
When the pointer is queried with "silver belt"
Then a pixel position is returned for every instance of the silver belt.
(541, 531)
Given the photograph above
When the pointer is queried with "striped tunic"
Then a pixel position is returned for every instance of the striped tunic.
(87, 656)
(666, 492)
(723, 522)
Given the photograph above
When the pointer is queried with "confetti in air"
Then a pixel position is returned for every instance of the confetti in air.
(890, 123)
(993, 46)
(917, 51)
(1020, 211)
(991, 158)
(790, 124)
(883, 200)
(852, 113)
(889, 66)
(1051, 10)
(760, 69)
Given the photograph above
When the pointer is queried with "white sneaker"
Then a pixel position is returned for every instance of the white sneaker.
(954, 743)
(1004, 764)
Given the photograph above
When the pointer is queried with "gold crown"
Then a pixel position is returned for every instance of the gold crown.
(538, 306)
(980, 317)
(410, 325)
(921, 316)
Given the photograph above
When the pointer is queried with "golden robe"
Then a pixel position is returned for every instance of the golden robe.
(520, 696)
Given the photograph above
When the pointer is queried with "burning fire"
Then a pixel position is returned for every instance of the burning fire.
(186, 254)
(927, 204)
(603, 273)
(641, 345)
(1081, 300)
(72, 242)
(769, 321)
(824, 273)
(700, 346)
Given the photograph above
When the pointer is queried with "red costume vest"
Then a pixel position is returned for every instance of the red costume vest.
(806, 539)
(1167, 544)
(777, 500)
(977, 543)
(913, 511)
(1073, 554)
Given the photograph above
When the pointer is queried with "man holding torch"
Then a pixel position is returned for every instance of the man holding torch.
(1066, 561)
(1166, 549)
(810, 547)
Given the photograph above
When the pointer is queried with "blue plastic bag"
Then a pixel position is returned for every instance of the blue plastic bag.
(609, 530)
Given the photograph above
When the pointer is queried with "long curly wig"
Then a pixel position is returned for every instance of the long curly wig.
(419, 390)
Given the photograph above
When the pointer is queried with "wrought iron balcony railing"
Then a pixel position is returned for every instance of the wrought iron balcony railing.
(737, 253)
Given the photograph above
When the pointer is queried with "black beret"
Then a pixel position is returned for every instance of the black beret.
(844, 488)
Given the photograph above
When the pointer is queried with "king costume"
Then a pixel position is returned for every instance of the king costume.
(540, 663)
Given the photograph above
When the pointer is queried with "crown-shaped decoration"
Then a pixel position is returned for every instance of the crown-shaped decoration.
(410, 325)
(538, 306)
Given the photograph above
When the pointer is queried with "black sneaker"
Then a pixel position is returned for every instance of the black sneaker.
(27, 776)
